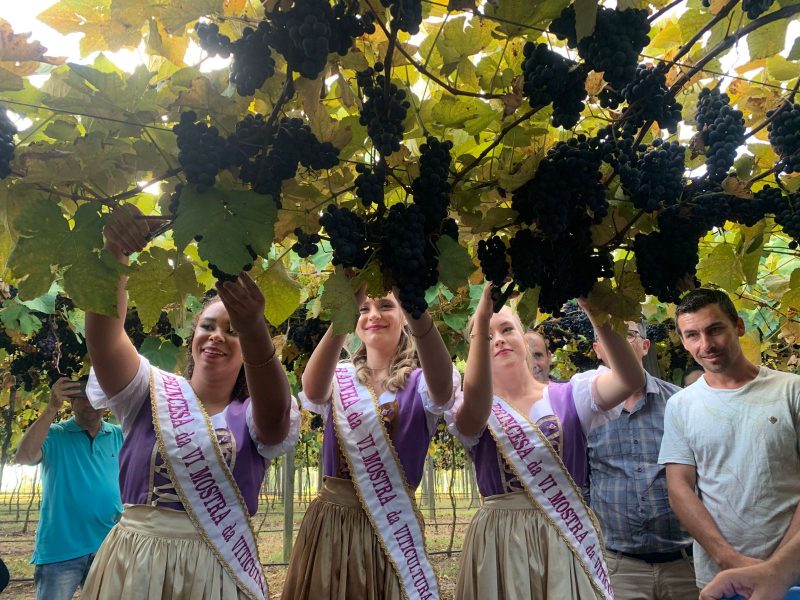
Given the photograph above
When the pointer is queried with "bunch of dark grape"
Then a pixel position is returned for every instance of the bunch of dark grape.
(655, 178)
(212, 41)
(251, 135)
(567, 180)
(657, 332)
(722, 128)
(347, 25)
(370, 184)
(403, 254)
(666, 260)
(306, 243)
(252, 59)
(492, 256)
(302, 35)
(787, 215)
(406, 14)
(6, 343)
(648, 99)
(755, 8)
(202, 151)
(723, 137)
(613, 148)
(7, 131)
(175, 199)
(290, 145)
(540, 260)
(164, 329)
(305, 333)
(552, 78)
(431, 189)
(449, 228)
(614, 46)
(222, 276)
(134, 328)
(750, 211)
(348, 236)
(383, 111)
(784, 135)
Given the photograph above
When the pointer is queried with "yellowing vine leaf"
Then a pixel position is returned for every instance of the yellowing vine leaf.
(338, 298)
(281, 293)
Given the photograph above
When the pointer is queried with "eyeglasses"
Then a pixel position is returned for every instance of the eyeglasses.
(632, 335)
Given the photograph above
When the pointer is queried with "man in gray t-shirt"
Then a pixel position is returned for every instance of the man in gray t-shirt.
(731, 444)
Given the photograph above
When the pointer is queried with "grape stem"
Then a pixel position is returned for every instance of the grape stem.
(503, 132)
(286, 95)
(620, 235)
(424, 70)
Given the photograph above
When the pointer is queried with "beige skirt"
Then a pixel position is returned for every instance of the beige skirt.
(511, 552)
(337, 555)
(154, 554)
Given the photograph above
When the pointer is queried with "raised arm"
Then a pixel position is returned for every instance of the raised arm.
(433, 357)
(681, 483)
(626, 373)
(267, 383)
(318, 375)
(474, 413)
(113, 355)
(29, 451)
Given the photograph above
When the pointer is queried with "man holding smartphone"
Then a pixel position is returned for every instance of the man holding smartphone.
(80, 488)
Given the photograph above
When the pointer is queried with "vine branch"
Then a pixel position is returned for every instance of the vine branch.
(503, 132)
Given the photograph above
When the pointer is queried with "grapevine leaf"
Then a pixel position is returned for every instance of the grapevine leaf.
(46, 303)
(722, 267)
(159, 279)
(456, 321)
(46, 244)
(281, 293)
(528, 306)
(227, 221)
(338, 298)
(794, 53)
(372, 276)
(15, 316)
(15, 47)
(768, 40)
(455, 263)
(161, 353)
(791, 298)
(92, 282)
(751, 346)
(515, 18)
(585, 17)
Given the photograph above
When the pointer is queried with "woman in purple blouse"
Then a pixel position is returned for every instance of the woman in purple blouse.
(512, 550)
(337, 553)
(246, 416)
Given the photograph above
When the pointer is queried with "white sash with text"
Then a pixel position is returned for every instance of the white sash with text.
(549, 486)
(379, 480)
(203, 481)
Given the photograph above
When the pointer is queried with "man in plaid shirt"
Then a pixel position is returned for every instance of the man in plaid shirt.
(649, 553)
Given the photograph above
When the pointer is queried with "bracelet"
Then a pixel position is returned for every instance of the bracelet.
(488, 336)
(262, 364)
(419, 337)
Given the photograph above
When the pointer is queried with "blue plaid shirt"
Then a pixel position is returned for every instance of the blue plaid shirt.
(628, 488)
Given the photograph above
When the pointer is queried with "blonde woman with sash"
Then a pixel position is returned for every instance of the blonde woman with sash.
(362, 537)
(533, 537)
(195, 449)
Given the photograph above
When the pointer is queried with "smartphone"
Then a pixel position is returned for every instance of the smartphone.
(81, 391)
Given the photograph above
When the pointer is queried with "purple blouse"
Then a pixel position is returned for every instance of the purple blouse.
(410, 419)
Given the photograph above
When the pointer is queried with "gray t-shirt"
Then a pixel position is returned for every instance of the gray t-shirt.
(745, 444)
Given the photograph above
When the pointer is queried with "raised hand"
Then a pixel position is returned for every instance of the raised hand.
(127, 230)
(244, 302)
(485, 308)
(62, 391)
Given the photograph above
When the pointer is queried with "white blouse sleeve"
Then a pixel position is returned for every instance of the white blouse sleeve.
(432, 410)
(270, 451)
(319, 409)
(124, 405)
(584, 394)
(468, 441)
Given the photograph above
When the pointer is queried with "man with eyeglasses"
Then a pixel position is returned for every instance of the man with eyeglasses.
(649, 553)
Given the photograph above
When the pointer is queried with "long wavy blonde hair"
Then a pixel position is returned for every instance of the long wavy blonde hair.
(517, 325)
(401, 366)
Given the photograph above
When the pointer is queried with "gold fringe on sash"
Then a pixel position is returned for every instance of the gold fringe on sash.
(337, 555)
(512, 552)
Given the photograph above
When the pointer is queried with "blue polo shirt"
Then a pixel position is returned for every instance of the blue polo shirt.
(80, 491)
